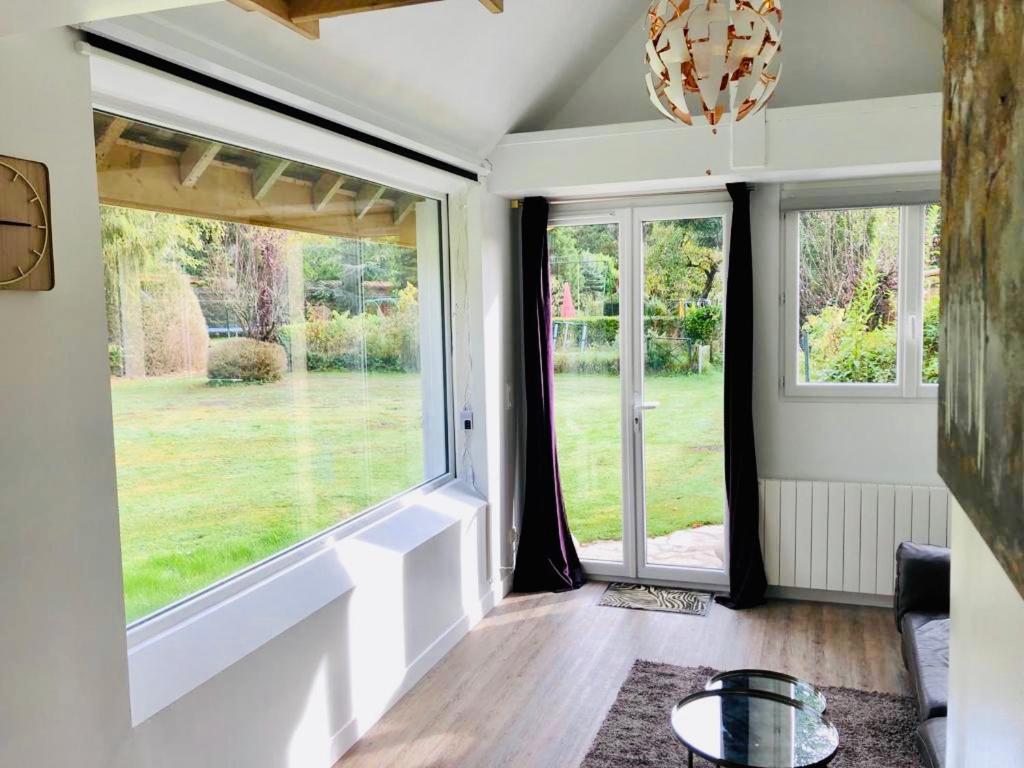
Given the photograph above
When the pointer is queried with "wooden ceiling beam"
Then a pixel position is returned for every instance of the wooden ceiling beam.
(266, 174)
(313, 10)
(195, 160)
(494, 6)
(106, 141)
(281, 12)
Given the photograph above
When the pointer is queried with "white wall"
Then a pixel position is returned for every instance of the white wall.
(872, 441)
(294, 702)
(499, 320)
(986, 685)
(62, 642)
(825, 60)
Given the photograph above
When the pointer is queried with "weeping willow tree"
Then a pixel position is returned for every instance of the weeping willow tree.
(146, 258)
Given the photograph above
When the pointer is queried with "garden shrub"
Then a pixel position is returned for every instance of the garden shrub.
(930, 362)
(115, 355)
(244, 359)
(702, 324)
(600, 330)
(600, 360)
(336, 341)
(851, 344)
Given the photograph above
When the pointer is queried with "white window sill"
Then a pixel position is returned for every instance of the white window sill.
(182, 649)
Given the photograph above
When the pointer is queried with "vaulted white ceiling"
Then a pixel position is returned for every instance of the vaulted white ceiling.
(451, 76)
(17, 16)
(833, 50)
(447, 74)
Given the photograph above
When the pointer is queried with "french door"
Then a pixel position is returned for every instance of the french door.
(638, 297)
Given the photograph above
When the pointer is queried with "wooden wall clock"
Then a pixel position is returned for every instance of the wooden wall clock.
(26, 242)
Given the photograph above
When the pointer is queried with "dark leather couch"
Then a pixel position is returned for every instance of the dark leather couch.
(922, 617)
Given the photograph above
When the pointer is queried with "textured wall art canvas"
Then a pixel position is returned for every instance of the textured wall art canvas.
(981, 391)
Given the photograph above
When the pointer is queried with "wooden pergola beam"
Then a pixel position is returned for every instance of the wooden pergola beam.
(406, 205)
(136, 177)
(325, 188)
(367, 197)
(281, 12)
(105, 143)
(195, 160)
(265, 175)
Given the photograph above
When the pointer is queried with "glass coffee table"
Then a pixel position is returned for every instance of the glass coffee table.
(772, 682)
(743, 728)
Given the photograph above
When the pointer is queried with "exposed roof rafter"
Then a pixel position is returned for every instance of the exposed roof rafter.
(303, 16)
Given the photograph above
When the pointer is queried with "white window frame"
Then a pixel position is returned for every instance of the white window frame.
(181, 646)
(909, 313)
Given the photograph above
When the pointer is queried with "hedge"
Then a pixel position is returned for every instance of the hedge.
(243, 359)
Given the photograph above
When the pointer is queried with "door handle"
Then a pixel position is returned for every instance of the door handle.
(647, 406)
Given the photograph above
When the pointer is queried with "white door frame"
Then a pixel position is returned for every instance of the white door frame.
(624, 219)
(634, 309)
(630, 218)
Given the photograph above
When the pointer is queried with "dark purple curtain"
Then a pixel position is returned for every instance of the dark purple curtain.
(747, 582)
(546, 560)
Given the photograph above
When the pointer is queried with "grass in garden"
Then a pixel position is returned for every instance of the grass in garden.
(214, 479)
(683, 453)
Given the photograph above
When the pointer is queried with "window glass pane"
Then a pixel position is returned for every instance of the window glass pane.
(684, 354)
(585, 327)
(275, 346)
(849, 286)
(932, 281)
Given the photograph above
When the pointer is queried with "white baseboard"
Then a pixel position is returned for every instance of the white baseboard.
(825, 596)
(350, 733)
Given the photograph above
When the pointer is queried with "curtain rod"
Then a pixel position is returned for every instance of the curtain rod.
(243, 94)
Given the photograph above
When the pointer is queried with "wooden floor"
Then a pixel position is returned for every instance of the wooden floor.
(531, 684)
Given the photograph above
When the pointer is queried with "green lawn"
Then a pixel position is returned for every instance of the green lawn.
(683, 453)
(214, 479)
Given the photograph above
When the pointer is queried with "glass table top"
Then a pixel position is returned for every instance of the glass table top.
(754, 729)
(772, 682)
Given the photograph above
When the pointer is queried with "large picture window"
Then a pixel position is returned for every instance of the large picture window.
(862, 301)
(276, 352)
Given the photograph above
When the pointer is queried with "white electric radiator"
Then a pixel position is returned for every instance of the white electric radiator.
(842, 537)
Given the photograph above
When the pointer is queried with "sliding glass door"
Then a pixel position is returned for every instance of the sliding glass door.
(638, 329)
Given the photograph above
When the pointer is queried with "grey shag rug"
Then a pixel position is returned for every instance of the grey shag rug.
(876, 730)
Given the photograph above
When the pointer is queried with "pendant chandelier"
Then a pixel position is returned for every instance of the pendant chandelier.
(713, 57)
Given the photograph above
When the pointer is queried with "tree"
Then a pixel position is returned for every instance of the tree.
(683, 260)
(836, 247)
(585, 258)
(250, 276)
(138, 244)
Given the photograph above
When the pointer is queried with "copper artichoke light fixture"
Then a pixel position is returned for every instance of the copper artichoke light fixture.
(714, 58)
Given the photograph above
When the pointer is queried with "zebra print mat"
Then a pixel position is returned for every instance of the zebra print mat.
(648, 598)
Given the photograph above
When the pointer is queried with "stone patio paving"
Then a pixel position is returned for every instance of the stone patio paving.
(702, 547)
